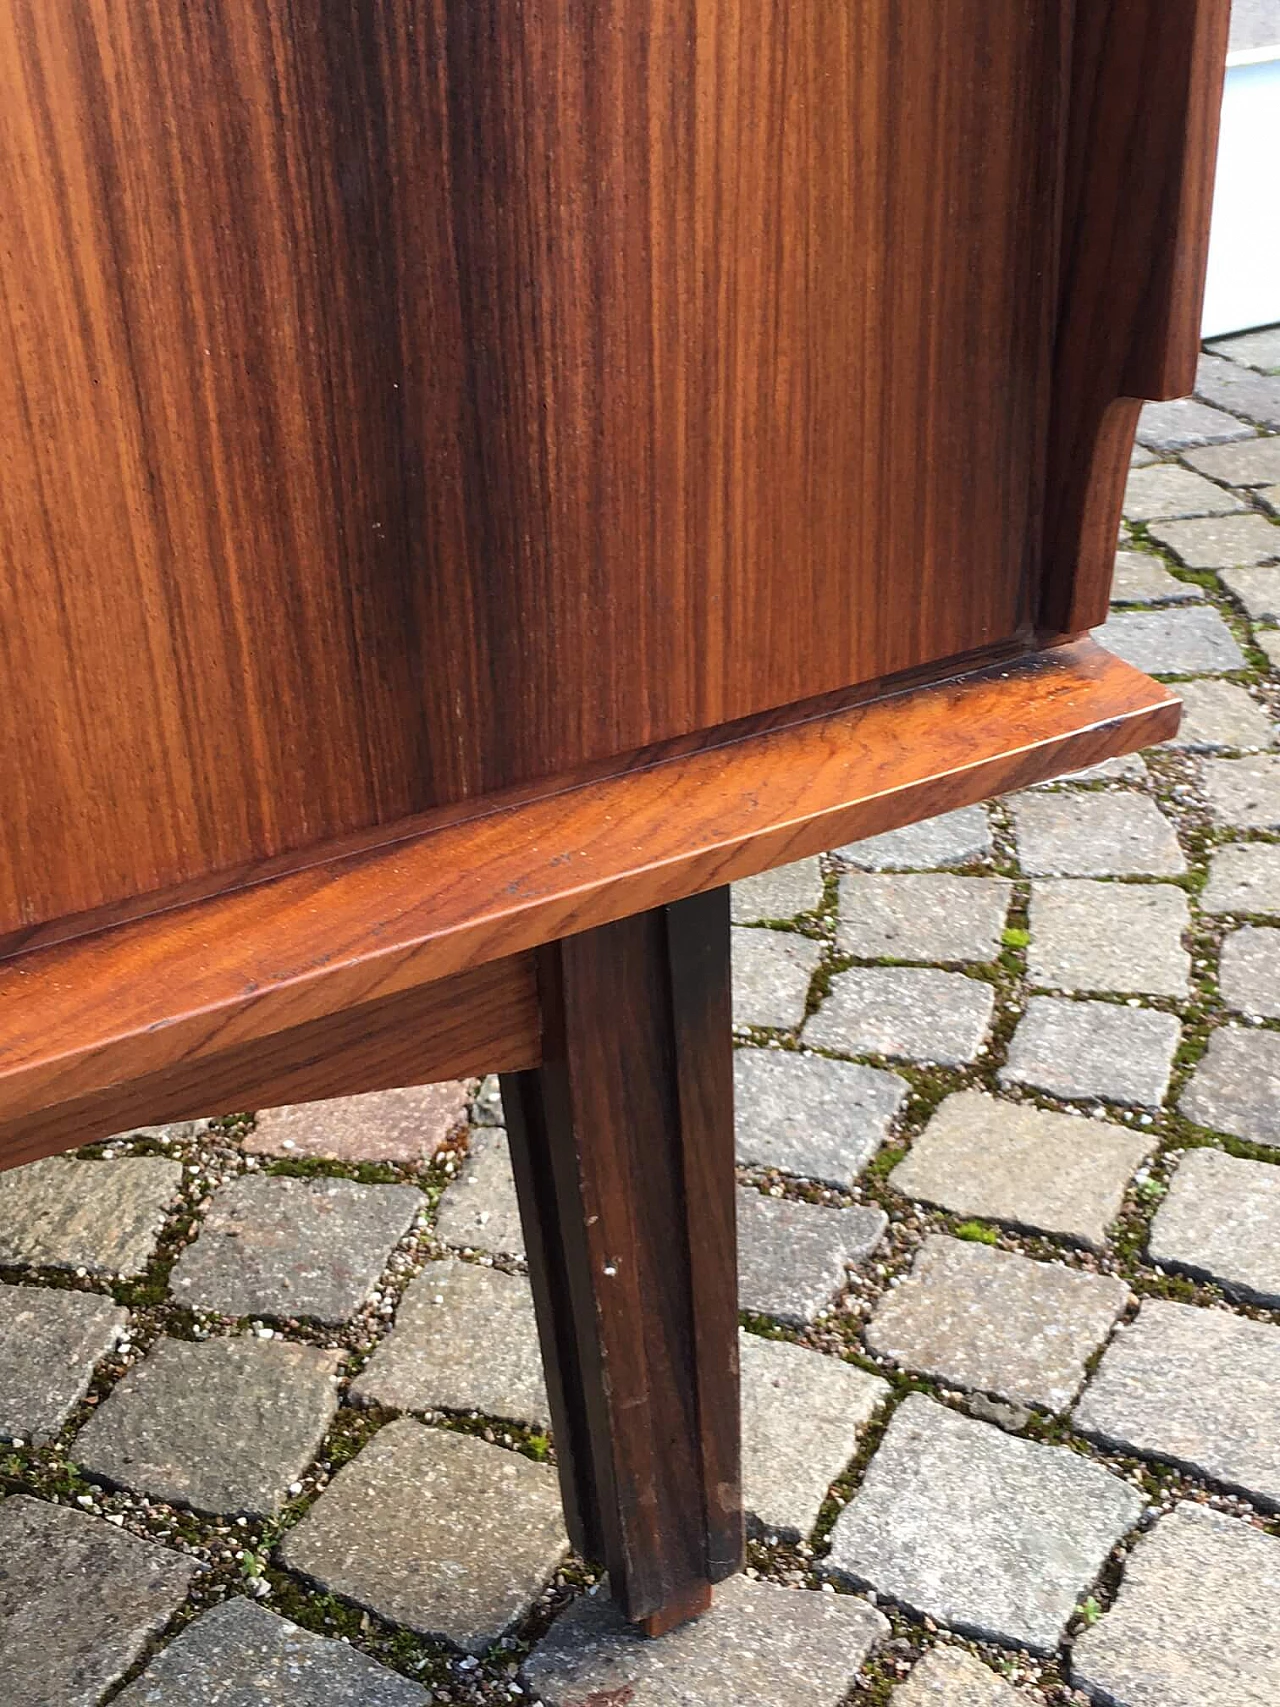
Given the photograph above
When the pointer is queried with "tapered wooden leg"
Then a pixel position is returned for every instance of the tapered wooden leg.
(622, 1144)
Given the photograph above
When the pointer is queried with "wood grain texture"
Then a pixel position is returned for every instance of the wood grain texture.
(401, 400)
(486, 1020)
(443, 446)
(1146, 88)
(180, 986)
(624, 1155)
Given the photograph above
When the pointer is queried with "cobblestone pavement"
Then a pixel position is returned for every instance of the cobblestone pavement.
(1009, 1127)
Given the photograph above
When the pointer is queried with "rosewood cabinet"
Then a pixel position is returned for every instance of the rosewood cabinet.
(477, 478)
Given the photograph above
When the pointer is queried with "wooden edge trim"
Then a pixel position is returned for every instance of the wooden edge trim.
(1141, 143)
(198, 980)
(381, 838)
(486, 1020)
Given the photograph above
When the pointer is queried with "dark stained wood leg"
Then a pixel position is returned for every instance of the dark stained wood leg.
(678, 1611)
(622, 1143)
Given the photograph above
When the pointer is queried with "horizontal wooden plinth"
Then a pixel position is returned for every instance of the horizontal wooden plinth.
(207, 985)
(486, 1020)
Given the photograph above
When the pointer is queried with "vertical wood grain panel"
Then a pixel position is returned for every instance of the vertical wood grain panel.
(230, 403)
(403, 399)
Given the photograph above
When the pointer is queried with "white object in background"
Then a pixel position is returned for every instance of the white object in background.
(1243, 288)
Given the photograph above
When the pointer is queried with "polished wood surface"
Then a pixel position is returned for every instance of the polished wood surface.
(486, 1020)
(1141, 146)
(623, 1149)
(400, 400)
(169, 991)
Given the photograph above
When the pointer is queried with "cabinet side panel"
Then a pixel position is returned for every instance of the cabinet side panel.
(402, 399)
(233, 544)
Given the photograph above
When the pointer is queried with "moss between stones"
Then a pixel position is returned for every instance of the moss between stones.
(977, 1232)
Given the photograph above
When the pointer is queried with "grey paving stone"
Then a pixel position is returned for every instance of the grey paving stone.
(1199, 1388)
(952, 838)
(1194, 1624)
(912, 1013)
(1270, 496)
(1251, 462)
(950, 1677)
(1141, 457)
(1258, 590)
(1221, 716)
(772, 971)
(1244, 391)
(480, 1210)
(1127, 768)
(1268, 640)
(1167, 492)
(921, 916)
(384, 1126)
(1249, 972)
(170, 1132)
(793, 1257)
(272, 1245)
(1027, 1166)
(1222, 542)
(105, 1217)
(1221, 1222)
(802, 1416)
(986, 1319)
(806, 1115)
(79, 1600)
(1190, 641)
(220, 1425)
(1093, 1049)
(464, 1339)
(240, 1655)
(1236, 1087)
(778, 894)
(439, 1532)
(1004, 1415)
(1244, 794)
(50, 1340)
(486, 1105)
(1094, 835)
(759, 1645)
(1243, 878)
(994, 1536)
(1141, 579)
(1259, 350)
(1185, 423)
(1122, 938)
